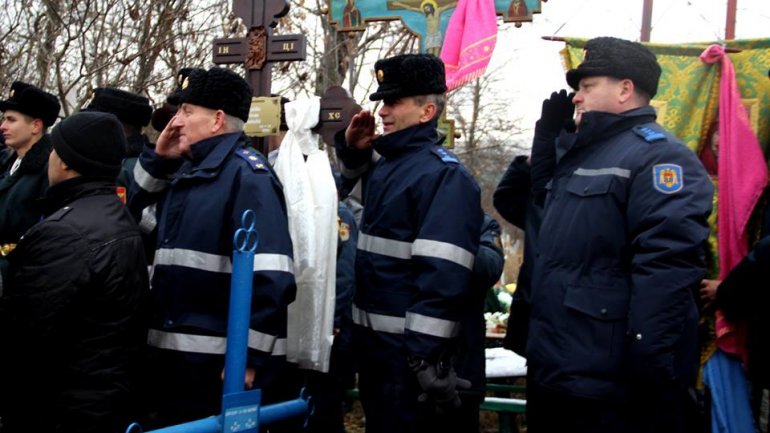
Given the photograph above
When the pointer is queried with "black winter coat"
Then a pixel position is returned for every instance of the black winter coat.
(487, 268)
(514, 199)
(73, 313)
(743, 298)
(20, 193)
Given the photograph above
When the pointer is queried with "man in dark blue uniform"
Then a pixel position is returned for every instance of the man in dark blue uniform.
(419, 236)
(203, 176)
(612, 342)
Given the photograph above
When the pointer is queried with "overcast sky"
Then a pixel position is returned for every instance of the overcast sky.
(533, 66)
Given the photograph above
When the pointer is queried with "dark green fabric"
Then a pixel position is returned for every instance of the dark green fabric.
(19, 194)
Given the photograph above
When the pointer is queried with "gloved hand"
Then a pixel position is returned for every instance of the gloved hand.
(439, 383)
(556, 115)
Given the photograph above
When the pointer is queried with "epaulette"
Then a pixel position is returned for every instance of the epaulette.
(250, 155)
(59, 214)
(445, 155)
(648, 134)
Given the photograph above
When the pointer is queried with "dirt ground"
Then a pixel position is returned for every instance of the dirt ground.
(354, 421)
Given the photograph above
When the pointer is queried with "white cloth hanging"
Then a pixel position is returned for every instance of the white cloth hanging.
(311, 200)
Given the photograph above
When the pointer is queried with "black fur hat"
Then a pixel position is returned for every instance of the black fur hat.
(162, 115)
(218, 89)
(28, 99)
(129, 108)
(409, 75)
(619, 58)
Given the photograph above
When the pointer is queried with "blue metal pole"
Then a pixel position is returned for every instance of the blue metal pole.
(245, 243)
(206, 425)
(282, 411)
(238, 322)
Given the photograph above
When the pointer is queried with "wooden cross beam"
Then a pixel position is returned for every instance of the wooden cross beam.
(337, 109)
(260, 48)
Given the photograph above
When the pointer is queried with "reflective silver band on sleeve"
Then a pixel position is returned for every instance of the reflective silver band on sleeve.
(187, 342)
(193, 259)
(615, 171)
(261, 341)
(279, 349)
(384, 246)
(146, 181)
(378, 322)
(432, 325)
(273, 262)
(443, 250)
(211, 344)
(149, 221)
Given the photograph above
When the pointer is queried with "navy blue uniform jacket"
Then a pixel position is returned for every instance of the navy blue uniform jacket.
(199, 207)
(418, 238)
(618, 253)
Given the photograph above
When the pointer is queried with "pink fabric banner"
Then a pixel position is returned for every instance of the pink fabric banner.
(742, 176)
(469, 42)
(742, 171)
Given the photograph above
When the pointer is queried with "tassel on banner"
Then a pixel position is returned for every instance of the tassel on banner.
(470, 41)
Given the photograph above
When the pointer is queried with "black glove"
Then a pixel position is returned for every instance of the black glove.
(556, 114)
(439, 383)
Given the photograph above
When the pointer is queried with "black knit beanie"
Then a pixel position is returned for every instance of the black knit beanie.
(91, 143)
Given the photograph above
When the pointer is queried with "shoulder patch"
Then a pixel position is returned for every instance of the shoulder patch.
(59, 214)
(668, 178)
(250, 155)
(648, 134)
(445, 155)
(343, 230)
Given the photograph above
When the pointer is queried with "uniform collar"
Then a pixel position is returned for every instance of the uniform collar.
(597, 126)
(69, 190)
(36, 157)
(408, 138)
(209, 153)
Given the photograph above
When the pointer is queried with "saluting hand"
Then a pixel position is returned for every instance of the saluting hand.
(556, 112)
(167, 145)
(360, 132)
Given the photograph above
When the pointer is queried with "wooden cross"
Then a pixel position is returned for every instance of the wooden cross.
(337, 109)
(260, 48)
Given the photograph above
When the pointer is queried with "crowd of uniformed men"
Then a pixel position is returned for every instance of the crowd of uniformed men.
(614, 209)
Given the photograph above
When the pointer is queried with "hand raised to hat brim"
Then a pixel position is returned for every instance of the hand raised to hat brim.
(167, 145)
(360, 132)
